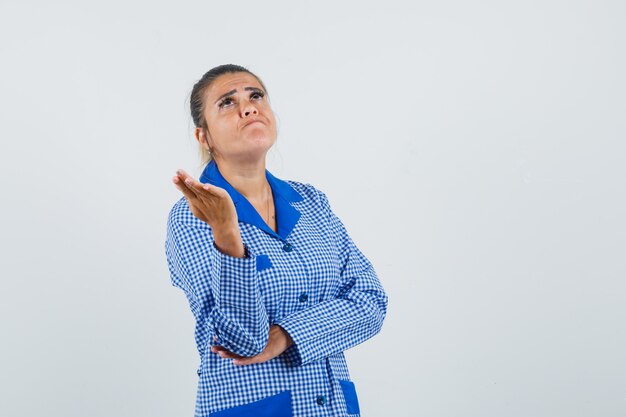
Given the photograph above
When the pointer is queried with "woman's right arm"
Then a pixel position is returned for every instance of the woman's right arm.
(212, 277)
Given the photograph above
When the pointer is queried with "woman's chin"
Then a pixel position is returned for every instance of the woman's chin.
(261, 141)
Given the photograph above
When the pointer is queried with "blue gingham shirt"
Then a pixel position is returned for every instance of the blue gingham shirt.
(308, 277)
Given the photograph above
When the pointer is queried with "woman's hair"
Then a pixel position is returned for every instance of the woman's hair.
(196, 102)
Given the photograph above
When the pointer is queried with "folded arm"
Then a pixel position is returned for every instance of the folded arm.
(355, 315)
(236, 311)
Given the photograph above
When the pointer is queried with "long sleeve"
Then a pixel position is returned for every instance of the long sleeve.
(355, 315)
(224, 286)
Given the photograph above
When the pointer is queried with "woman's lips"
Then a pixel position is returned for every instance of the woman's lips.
(251, 123)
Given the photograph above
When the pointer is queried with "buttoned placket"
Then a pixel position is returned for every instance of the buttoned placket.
(286, 215)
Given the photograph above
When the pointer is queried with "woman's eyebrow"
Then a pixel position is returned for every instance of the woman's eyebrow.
(231, 92)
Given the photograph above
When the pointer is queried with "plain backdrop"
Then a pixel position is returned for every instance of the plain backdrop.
(473, 149)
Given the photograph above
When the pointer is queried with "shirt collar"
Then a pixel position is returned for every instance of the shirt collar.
(284, 194)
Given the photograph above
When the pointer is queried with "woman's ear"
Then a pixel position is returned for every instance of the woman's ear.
(202, 138)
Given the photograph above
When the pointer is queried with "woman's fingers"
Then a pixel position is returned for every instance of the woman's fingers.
(183, 188)
(198, 188)
(207, 202)
(260, 358)
(208, 190)
(247, 361)
(225, 353)
(182, 174)
(192, 188)
(237, 359)
(186, 179)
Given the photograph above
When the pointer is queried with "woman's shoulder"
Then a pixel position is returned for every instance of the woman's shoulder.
(180, 213)
(309, 192)
(180, 209)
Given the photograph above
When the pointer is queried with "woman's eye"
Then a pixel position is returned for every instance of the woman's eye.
(223, 102)
(228, 101)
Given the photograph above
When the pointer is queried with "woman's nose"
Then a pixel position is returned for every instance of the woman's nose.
(249, 109)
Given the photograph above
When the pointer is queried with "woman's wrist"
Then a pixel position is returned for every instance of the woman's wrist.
(286, 337)
(229, 242)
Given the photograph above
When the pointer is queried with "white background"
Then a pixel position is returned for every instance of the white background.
(474, 150)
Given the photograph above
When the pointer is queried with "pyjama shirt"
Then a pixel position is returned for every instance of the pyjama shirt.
(308, 277)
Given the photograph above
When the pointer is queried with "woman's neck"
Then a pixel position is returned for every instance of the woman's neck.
(249, 179)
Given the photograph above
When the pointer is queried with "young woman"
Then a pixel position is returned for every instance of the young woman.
(277, 286)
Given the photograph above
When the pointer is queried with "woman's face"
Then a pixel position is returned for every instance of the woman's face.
(241, 124)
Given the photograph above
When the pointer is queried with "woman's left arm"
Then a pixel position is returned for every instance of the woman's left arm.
(355, 315)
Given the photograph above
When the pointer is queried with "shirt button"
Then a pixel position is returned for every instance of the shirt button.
(321, 399)
(287, 247)
(303, 297)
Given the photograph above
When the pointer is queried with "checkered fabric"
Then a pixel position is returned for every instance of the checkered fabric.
(308, 277)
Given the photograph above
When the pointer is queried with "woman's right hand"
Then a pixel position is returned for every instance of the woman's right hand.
(214, 206)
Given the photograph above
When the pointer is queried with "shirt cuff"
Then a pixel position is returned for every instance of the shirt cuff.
(234, 280)
(296, 354)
